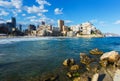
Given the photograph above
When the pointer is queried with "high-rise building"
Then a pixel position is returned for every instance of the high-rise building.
(20, 27)
(60, 24)
(14, 22)
(43, 23)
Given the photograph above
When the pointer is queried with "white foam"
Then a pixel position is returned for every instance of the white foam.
(12, 40)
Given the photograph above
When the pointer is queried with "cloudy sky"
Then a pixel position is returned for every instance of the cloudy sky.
(104, 14)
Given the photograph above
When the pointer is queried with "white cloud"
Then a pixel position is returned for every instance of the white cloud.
(117, 22)
(13, 3)
(23, 14)
(38, 9)
(17, 3)
(8, 20)
(39, 14)
(35, 9)
(3, 13)
(32, 17)
(43, 2)
(68, 21)
(5, 3)
(12, 6)
(58, 11)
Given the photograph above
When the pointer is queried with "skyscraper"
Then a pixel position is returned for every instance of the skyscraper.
(14, 22)
(60, 24)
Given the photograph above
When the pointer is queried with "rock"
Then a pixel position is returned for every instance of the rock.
(81, 79)
(111, 56)
(68, 62)
(103, 63)
(96, 52)
(73, 74)
(93, 67)
(85, 59)
(76, 74)
(95, 77)
(105, 77)
(77, 79)
(117, 75)
(117, 63)
(74, 67)
(69, 75)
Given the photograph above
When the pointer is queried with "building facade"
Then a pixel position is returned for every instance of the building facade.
(60, 24)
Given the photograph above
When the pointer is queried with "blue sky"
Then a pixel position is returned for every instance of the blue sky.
(104, 14)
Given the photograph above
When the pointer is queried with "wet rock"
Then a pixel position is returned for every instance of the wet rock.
(76, 74)
(81, 79)
(96, 51)
(73, 74)
(103, 63)
(68, 62)
(117, 63)
(117, 75)
(69, 74)
(74, 67)
(77, 79)
(95, 77)
(93, 67)
(85, 59)
(105, 77)
(111, 56)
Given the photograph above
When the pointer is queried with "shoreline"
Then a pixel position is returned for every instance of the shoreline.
(80, 36)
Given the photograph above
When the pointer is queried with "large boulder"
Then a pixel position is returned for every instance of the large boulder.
(74, 67)
(69, 74)
(68, 62)
(117, 63)
(85, 59)
(95, 77)
(96, 51)
(93, 67)
(103, 63)
(117, 75)
(82, 78)
(111, 56)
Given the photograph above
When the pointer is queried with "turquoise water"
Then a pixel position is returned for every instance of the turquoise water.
(25, 57)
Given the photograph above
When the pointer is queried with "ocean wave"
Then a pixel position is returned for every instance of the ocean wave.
(12, 40)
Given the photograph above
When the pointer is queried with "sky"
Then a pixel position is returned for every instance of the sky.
(104, 14)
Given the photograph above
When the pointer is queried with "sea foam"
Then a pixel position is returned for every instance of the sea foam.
(13, 40)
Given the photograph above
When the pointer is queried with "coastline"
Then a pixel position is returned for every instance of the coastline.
(78, 36)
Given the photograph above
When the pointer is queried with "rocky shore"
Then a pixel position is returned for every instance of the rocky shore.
(98, 66)
(95, 66)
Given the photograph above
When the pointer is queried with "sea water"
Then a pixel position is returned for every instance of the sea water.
(26, 57)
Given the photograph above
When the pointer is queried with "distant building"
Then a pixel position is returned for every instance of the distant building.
(13, 22)
(31, 27)
(20, 27)
(60, 24)
(43, 23)
(9, 26)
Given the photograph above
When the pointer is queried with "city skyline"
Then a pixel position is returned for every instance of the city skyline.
(104, 14)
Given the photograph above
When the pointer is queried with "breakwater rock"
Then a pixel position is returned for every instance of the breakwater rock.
(96, 66)
(105, 67)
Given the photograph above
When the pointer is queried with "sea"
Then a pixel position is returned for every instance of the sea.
(23, 57)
